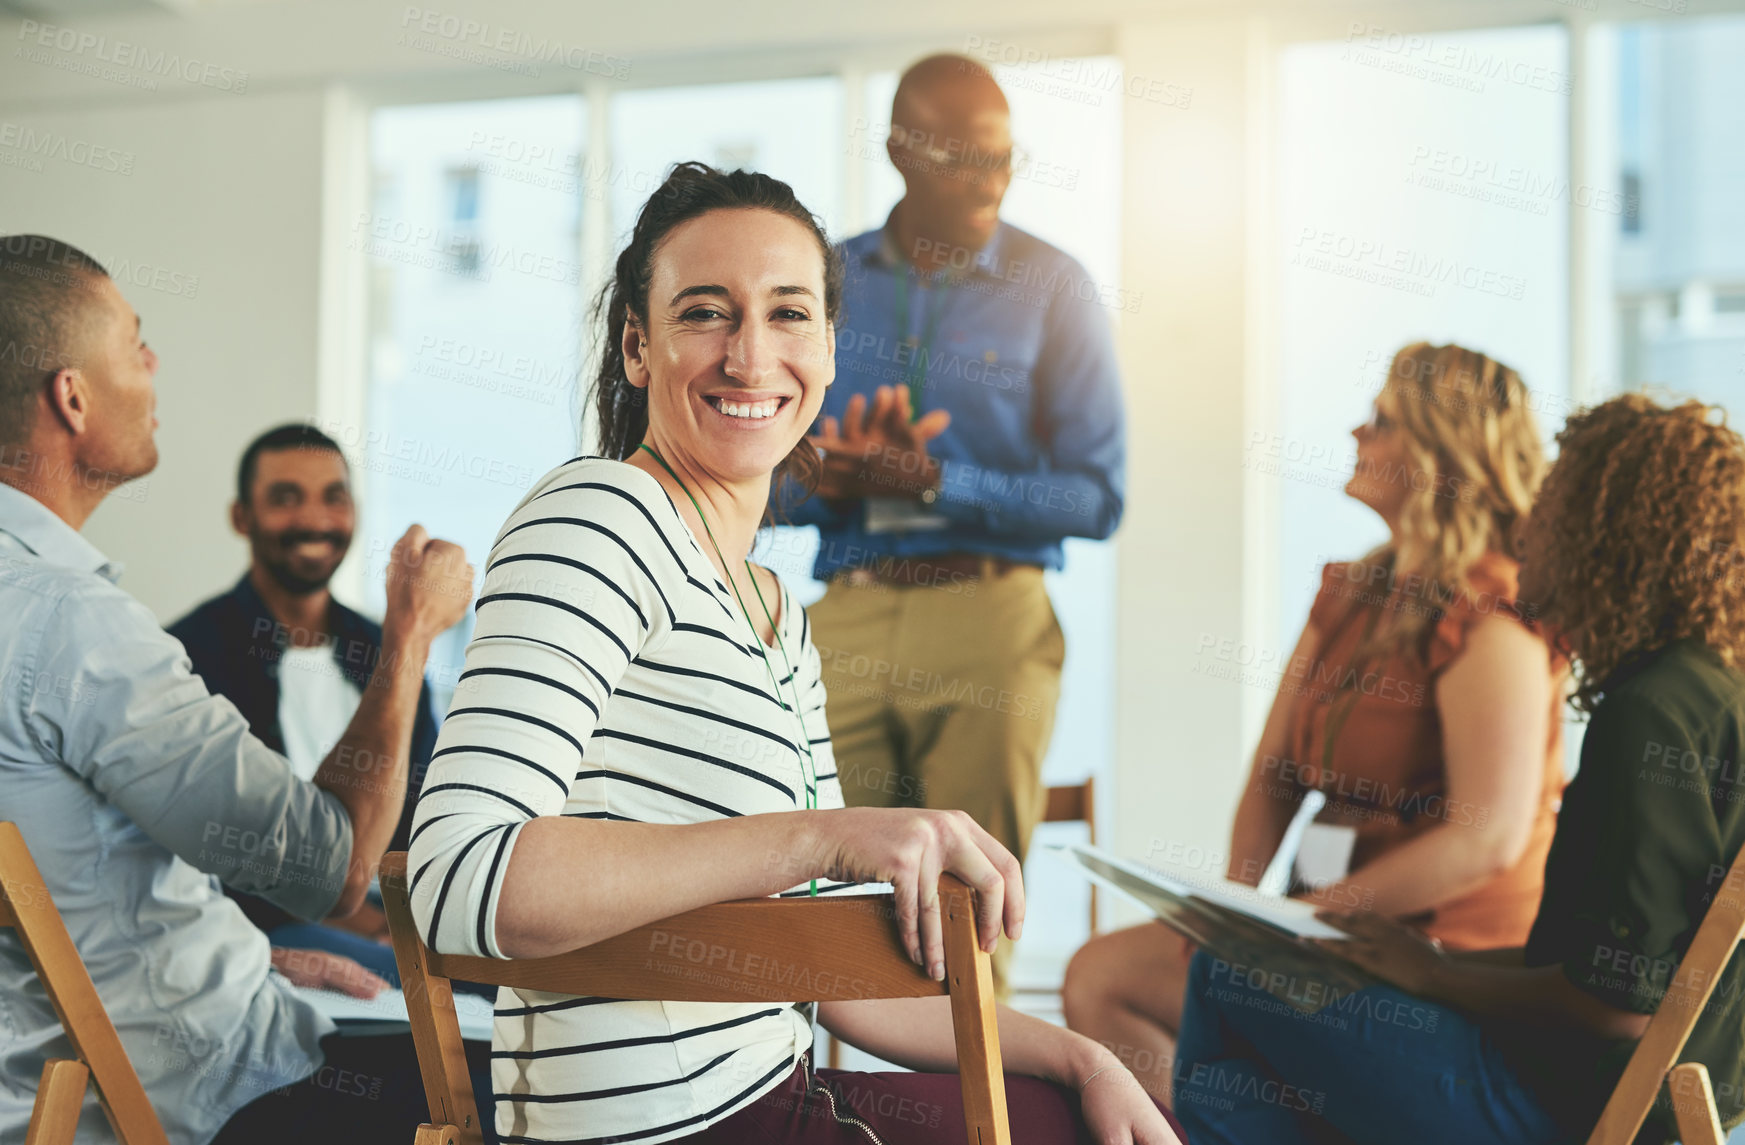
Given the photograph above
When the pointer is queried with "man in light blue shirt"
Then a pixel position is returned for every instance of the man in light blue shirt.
(138, 791)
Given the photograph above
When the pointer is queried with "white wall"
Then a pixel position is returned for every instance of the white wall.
(1179, 740)
(211, 228)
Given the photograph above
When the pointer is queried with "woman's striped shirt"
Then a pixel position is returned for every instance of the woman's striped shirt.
(612, 676)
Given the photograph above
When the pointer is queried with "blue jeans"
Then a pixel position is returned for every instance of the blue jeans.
(1377, 1066)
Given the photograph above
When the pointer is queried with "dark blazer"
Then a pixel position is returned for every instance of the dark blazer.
(235, 645)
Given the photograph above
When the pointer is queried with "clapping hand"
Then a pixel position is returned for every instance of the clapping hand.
(879, 452)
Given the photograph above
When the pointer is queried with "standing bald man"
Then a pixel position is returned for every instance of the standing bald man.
(975, 424)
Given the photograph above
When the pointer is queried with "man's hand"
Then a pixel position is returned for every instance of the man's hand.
(430, 584)
(319, 970)
(368, 921)
(879, 452)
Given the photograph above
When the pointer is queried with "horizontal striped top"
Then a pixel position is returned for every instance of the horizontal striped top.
(612, 676)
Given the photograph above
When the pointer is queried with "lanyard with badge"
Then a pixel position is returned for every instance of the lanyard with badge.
(898, 514)
(915, 369)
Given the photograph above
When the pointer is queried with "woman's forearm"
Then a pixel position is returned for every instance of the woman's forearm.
(1419, 875)
(916, 1033)
(573, 882)
(1540, 996)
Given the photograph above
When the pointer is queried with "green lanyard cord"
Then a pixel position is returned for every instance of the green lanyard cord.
(810, 774)
(915, 371)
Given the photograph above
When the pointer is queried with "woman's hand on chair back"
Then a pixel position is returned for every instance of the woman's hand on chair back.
(910, 848)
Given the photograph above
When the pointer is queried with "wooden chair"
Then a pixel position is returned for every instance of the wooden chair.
(26, 908)
(1693, 1098)
(849, 942)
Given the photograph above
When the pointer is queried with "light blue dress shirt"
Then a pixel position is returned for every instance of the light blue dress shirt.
(1017, 346)
(137, 790)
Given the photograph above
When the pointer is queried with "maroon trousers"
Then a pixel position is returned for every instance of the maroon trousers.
(843, 1108)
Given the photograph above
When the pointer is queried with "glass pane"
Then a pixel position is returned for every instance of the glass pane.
(1419, 198)
(473, 245)
(1678, 263)
(787, 128)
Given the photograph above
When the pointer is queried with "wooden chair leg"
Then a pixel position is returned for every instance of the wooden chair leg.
(979, 1065)
(442, 1061)
(1693, 1105)
(58, 1098)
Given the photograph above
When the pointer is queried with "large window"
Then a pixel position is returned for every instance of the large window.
(1406, 160)
(473, 246)
(1670, 94)
(787, 127)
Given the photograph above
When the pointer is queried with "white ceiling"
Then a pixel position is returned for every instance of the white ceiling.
(297, 44)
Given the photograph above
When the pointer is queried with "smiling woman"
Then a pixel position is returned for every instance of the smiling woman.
(640, 731)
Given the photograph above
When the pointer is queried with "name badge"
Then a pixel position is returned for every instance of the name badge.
(1324, 856)
(895, 515)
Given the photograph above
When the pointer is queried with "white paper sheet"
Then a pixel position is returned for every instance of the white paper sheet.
(1285, 914)
(1325, 854)
(389, 1006)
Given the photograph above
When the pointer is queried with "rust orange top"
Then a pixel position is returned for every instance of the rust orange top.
(1370, 737)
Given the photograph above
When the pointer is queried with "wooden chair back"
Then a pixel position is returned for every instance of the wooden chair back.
(1651, 1065)
(28, 910)
(848, 946)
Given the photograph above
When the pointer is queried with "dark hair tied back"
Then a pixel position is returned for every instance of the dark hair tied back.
(690, 190)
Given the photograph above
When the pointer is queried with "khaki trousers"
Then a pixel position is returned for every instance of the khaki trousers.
(943, 697)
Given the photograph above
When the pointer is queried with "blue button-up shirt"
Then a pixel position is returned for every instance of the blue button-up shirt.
(136, 791)
(1022, 357)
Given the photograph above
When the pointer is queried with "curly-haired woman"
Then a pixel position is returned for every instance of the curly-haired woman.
(640, 731)
(1418, 700)
(1632, 553)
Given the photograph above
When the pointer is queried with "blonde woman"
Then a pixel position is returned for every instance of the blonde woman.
(1419, 700)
